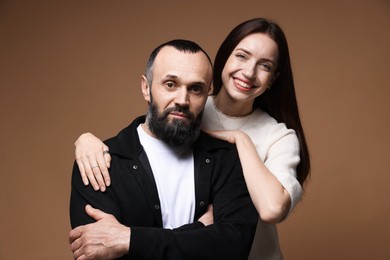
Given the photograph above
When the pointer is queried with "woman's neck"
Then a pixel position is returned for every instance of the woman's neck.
(231, 107)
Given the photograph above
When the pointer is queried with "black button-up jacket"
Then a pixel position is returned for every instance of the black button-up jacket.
(133, 199)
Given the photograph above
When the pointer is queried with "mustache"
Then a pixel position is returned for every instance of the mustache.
(180, 109)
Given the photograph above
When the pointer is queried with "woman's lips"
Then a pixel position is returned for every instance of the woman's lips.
(241, 84)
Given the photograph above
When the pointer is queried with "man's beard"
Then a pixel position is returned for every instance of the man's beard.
(178, 132)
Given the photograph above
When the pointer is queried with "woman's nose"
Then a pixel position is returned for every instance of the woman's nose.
(249, 71)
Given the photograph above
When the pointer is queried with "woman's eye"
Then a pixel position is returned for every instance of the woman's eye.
(241, 56)
(266, 66)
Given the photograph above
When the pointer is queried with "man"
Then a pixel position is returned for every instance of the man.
(164, 174)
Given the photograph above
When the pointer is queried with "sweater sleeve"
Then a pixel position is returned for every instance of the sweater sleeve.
(282, 159)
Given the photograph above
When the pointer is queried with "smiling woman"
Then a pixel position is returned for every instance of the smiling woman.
(254, 105)
(248, 72)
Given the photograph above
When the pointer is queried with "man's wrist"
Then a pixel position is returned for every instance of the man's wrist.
(125, 241)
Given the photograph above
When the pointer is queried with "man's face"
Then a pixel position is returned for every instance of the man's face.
(180, 86)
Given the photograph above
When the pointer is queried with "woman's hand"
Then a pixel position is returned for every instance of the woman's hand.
(230, 136)
(93, 160)
(207, 218)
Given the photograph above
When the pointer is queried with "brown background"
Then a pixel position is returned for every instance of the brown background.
(73, 66)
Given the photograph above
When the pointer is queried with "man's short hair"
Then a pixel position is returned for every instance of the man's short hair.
(180, 45)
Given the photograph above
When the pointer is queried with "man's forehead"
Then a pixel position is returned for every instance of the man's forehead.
(172, 61)
(170, 52)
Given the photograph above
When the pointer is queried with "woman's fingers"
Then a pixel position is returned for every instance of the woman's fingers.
(82, 172)
(90, 174)
(93, 160)
(101, 173)
(107, 156)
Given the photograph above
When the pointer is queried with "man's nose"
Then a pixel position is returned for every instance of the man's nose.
(182, 97)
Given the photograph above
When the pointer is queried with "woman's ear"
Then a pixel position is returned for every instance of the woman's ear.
(274, 77)
(145, 88)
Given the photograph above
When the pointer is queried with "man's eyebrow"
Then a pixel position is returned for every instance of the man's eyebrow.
(170, 76)
(200, 83)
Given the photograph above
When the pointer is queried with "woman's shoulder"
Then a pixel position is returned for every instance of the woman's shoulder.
(262, 119)
(265, 124)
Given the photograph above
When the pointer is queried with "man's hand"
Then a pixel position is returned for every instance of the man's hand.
(207, 218)
(104, 239)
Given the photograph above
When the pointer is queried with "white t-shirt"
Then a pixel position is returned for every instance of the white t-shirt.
(173, 171)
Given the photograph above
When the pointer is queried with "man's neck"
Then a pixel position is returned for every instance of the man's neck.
(145, 127)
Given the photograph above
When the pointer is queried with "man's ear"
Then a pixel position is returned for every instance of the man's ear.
(211, 89)
(145, 88)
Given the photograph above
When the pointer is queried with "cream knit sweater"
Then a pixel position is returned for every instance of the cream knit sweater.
(278, 148)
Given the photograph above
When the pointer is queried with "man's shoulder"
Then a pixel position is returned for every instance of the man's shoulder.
(209, 143)
(126, 142)
(222, 154)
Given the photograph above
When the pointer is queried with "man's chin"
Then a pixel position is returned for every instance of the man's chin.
(179, 120)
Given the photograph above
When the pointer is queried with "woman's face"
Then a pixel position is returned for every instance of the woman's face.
(250, 68)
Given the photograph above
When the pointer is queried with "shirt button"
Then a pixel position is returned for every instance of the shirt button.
(201, 203)
(207, 160)
(135, 167)
(156, 206)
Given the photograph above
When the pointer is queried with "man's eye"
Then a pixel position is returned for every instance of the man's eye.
(170, 84)
(196, 89)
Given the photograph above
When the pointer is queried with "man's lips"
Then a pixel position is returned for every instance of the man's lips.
(179, 114)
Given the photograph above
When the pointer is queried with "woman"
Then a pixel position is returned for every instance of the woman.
(254, 106)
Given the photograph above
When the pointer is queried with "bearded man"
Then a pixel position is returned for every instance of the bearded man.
(165, 175)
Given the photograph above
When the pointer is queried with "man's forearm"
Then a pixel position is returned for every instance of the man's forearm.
(217, 241)
(104, 239)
